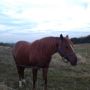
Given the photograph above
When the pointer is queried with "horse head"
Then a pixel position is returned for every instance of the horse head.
(66, 50)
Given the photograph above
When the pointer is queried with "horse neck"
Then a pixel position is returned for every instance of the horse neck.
(53, 46)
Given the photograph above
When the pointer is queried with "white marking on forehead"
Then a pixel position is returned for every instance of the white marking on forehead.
(72, 47)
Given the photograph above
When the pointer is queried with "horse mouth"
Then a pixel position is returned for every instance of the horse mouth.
(73, 62)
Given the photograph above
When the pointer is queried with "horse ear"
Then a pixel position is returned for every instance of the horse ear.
(61, 36)
(67, 36)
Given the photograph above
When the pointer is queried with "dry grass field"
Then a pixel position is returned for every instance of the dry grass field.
(61, 76)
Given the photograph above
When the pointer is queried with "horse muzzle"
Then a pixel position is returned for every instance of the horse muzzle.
(73, 61)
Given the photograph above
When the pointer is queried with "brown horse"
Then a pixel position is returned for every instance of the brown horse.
(38, 55)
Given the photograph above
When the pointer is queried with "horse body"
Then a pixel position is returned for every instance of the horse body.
(41, 52)
(38, 55)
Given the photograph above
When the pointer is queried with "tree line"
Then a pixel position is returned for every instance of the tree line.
(81, 40)
(6, 44)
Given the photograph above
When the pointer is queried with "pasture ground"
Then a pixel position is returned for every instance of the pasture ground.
(61, 76)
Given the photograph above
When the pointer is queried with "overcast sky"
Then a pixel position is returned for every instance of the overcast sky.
(32, 19)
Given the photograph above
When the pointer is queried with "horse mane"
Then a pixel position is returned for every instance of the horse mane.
(44, 46)
(48, 41)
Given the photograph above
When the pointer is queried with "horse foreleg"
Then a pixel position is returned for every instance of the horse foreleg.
(34, 71)
(21, 75)
(45, 71)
